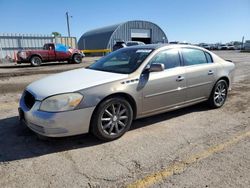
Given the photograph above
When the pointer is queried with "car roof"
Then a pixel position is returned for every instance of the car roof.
(158, 46)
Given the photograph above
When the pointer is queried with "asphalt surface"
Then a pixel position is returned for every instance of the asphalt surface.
(191, 147)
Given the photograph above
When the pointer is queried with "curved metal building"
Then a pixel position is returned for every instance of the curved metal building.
(106, 37)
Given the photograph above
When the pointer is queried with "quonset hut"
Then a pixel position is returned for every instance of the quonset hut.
(106, 37)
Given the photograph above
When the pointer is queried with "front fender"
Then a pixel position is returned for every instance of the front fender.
(36, 54)
(93, 96)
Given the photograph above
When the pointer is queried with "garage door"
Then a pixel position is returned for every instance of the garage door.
(140, 33)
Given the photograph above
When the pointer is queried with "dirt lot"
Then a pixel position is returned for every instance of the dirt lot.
(191, 147)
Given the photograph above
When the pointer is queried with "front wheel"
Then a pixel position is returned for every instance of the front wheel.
(35, 61)
(112, 119)
(77, 58)
(219, 94)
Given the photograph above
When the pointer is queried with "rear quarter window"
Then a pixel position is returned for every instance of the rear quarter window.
(209, 57)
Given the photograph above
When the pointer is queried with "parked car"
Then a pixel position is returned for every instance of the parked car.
(238, 46)
(174, 42)
(222, 47)
(134, 43)
(108, 95)
(216, 46)
(50, 52)
(231, 47)
(213, 47)
(247, 45)
(206, 46)
(118, 45)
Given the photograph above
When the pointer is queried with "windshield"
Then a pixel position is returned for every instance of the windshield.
(124, 61)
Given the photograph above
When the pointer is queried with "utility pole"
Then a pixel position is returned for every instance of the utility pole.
(67, 18)
(242, 43)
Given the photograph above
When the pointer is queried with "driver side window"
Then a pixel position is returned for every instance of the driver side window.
(170, 58)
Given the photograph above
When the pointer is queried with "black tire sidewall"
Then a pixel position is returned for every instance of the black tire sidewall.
(96, 123)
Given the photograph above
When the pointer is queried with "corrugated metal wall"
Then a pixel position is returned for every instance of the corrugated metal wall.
(69, 41)
(123, 32)
(96, 38)
(105, 38)
(11, 43)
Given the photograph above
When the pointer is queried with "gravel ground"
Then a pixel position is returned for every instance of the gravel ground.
(217, 141)
(14, 70)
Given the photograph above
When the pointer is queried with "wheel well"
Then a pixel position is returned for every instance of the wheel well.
(128, 97)
(226, 79)
(74, 55)
(33, 55)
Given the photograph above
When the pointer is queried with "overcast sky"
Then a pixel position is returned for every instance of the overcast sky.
(182, 20)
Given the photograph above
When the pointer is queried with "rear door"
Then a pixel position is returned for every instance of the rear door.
(165, 89)
(200, 73)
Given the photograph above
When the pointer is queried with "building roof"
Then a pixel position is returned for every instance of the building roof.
(101, 30)
(105, 37)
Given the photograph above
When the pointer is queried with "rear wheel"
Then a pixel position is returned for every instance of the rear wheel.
(112, 119)
(219, 94)
(77, 58)
(35, 61)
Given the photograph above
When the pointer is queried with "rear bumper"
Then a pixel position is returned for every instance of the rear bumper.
(56, 124)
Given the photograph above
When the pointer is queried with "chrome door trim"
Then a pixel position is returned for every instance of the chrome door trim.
(165, 92)
(201, 84)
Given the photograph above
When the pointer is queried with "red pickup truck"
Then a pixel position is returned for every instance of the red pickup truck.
(50, 52)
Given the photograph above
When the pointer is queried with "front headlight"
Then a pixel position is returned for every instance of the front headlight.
(62, 102)
(22, 54)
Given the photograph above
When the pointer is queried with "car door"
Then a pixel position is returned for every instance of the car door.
(200, 73)
(165, 89)
(45, 52)
(51, 52)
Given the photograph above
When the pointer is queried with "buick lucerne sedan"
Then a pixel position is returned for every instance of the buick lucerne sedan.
(127, 84)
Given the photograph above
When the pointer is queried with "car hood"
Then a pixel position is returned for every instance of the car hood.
(71, 81)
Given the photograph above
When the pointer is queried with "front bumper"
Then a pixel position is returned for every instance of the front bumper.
(58, 124)
(22, 60)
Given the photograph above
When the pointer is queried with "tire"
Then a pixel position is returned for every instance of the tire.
(43, 138)
(35, 61)
(77, 58)
(112, 119)
(218, 95)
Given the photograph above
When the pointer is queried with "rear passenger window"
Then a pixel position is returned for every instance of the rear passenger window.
(170, 58)
(209, 58)
(193, 56)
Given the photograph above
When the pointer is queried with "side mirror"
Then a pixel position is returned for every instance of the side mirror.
(156, 67)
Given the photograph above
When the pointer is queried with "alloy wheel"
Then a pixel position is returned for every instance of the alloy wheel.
(220, 94)
(114, 118)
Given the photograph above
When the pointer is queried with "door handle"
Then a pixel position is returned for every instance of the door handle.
(180, 78)
(210, 72)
